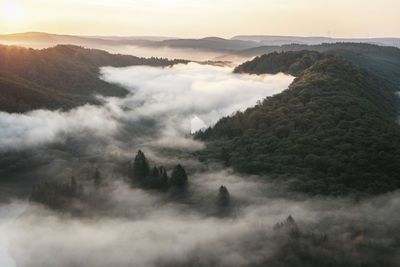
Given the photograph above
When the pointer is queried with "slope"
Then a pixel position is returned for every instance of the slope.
(67, 73)
(332, 132)
(381, 61)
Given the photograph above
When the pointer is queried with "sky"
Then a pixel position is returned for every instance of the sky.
(200, 18)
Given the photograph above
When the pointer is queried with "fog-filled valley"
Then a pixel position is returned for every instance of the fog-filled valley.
(163, 107)
(156, 162)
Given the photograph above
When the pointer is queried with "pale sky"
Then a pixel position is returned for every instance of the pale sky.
(199, 18)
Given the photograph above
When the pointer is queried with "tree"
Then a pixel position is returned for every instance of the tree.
(179, 177)
(140, 166)
(163, 177)
(97, 178)
(157, 179)
(223, 197)
(73, 186)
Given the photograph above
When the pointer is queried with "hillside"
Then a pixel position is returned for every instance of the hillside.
(314, 40)
(332, 132)
(291, 62)
(19, 95)
(381, 61)
(61, 76)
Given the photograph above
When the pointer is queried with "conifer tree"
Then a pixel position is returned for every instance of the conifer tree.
(223, 197)
(179, 177)
(163, 177)
(140, 167)
(73, 186)
(97, 178)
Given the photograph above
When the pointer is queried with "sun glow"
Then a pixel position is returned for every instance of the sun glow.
(12, 11)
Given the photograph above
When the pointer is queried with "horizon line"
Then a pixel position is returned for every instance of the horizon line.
(206, 36)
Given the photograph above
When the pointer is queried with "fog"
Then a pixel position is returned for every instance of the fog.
(195, 54)
(144, 228)
(177, 101)
(124, 225)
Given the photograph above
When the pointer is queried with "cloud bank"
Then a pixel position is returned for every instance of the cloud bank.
(172, 99)
(124, 226)
(142, 228)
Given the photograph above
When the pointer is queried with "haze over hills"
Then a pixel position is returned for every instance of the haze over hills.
(67, 76)
(63, 76)
(199, 133)
(215, 44)
(314, 40)
(382, 61)
(209, 43)
(309, 176)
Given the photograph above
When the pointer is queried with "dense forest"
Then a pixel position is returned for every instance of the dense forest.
(333, 131)
(379, 60)
(62, 195)
(59, 77)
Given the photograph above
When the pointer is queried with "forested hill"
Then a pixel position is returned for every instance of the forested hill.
(379, 60)
(293, 63)
(64, 76)
(332, 132)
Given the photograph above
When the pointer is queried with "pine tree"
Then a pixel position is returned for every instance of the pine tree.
(158, 178)
(223, 197)
(73, 186)
(155, 173)
(163, 177)
(140, 167)
(179, 177)
(97, 178)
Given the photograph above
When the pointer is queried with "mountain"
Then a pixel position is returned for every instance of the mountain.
(61, 76)
(271, 40)
(382, 61)
(333, 131)
(206, 44)
(54, 39)
(209, 44)
(19, 95)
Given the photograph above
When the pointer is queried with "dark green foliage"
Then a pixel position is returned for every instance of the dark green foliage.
(55, 194)
(289, 226)
(157, 179)
(64, 76)
(333, 131)
(19, 95)
(141, 167)
(289, 62)
(383, 61)
(97, 180)
(178, 177)
(223, 198)
(163, 180)
(296, 246)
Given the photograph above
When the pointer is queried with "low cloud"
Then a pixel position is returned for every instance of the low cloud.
(135, 227)
(144, 228)
(191, 92)
(39, 127)
(164, 104)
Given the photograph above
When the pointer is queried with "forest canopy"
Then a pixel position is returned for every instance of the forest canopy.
(333, 131)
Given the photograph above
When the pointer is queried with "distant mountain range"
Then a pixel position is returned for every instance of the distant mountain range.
(283, 40)
(214, 44)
